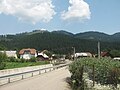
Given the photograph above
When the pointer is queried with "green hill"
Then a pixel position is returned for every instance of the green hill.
(60, 41)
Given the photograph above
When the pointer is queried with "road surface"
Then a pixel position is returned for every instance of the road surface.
(55, 80)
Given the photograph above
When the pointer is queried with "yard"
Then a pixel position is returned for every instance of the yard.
(10, 65)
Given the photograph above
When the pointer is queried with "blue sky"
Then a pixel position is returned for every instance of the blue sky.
(17, 16)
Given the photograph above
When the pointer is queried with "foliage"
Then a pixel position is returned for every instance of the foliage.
(3, 57)
(115, 53)
(55, 42)
(33, 59)
(11, 62)
(2, 47)
(12, 59)
(10, 65)
(107, 71)
(77, 72)
(22, 60)
(2, 65)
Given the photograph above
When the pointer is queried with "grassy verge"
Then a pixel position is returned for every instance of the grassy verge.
(10, 65)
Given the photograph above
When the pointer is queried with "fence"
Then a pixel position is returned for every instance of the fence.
(20, 76)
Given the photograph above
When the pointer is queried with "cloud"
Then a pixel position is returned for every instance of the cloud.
(78, 10)
(28, 10)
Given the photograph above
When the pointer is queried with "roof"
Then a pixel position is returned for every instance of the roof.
(85, 54)
(43, 54)
(81, 54)
(104, 54)
(116, 58)
(32, 51)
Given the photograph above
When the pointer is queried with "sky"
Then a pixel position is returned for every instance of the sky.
(76, 16)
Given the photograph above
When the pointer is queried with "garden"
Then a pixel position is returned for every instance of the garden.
(95, 74)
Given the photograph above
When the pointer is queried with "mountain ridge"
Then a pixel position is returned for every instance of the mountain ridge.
(89, 35)
(60, 41)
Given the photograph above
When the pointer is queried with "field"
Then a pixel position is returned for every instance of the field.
(10, 65)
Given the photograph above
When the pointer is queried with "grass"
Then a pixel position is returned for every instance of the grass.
(10, 65)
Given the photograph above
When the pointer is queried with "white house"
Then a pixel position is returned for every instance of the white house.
(83, 54)
(42, 56)
(27, 53)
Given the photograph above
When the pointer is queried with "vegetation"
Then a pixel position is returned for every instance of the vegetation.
(107, 72)
(10, 65)
(11, 62)
(59, 42)
(2, 58)
(115, 53)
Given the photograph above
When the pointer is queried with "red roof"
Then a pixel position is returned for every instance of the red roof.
(104, 54)
(32, 51)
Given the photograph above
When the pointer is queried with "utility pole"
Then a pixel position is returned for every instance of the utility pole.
(73, 53)
(98, 50)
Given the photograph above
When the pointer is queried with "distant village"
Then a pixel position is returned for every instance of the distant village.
(28, 53)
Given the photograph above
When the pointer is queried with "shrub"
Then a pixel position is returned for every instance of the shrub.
(33, 59)
(77, 73)
(107, 71)
(22, 60)
(3, 58)
(12, 59)
(2, 65)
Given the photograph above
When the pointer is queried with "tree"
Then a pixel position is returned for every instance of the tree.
(2, 47)
(115, 53)
(3, 58)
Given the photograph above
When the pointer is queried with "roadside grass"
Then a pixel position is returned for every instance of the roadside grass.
(10, 65)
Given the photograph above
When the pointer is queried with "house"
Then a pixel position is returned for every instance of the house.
(83, 54)
(27, 53)
(116, 58)
(42, 56)
(106, 54)
(10, 53)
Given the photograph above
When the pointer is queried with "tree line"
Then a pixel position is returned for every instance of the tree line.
(54, 42)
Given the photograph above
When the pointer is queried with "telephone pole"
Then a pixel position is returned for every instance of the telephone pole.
(73, 53)
(99, 50)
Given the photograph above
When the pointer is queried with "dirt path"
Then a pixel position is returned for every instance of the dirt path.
(54, 80)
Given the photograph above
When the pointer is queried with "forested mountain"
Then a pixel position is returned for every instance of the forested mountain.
(98, 36)
(63, 32)
(94, 36)
(60, 41)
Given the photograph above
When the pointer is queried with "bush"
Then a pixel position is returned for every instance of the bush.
(22, 60)
(3, 58)
(2, 65)
(33, 59)
(12, 59)
(77, 73)
(107, 71)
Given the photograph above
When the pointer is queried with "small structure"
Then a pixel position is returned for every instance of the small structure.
(83, 54)
(116, 58)
(10, 53)
(42, 56)
(28, 53)
(106, 54)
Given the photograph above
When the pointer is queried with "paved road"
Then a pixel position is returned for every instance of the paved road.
(54, 80)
